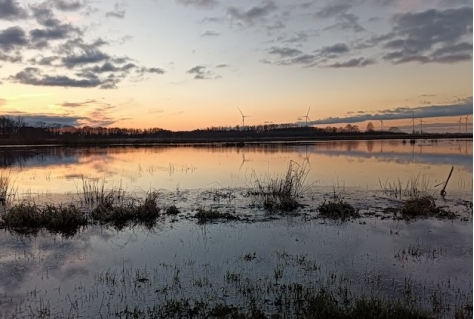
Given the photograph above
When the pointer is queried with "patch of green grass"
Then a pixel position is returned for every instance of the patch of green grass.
(337, 208)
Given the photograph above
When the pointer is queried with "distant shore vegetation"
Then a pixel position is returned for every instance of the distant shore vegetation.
(15, 131)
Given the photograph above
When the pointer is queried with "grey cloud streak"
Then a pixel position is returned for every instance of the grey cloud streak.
(251, 15)
(464, 108)
(199, 3)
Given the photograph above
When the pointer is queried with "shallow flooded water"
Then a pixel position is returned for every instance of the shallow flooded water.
(365, 164)
(103, 272)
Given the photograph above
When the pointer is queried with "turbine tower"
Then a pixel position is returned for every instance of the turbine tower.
(467, 121)
(307, 116)
(243, 118)
(381, 125)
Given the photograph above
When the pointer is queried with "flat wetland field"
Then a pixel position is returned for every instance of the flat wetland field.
(339, 229)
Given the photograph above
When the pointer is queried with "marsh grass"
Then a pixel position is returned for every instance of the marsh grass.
(7, 189)
(172, 210)
(423, 206)
(206, 215)
(416, 186)
(337, 208)
(29, 217)
(122, 214)
(94, 192)
(281, 193)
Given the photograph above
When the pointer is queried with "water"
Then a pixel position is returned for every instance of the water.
(100, 271)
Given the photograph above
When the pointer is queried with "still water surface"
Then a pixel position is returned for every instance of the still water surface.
(364, 164)
(99, 271)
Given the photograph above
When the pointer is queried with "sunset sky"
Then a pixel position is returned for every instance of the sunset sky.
(189, 64)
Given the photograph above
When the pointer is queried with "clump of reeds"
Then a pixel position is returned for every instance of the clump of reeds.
(424, 206)
(205, 215)
(281, 192)
(337, 208)
(28, 217)
(414, 187)
(94, 192)
(119, 215)
(7, 190)
(172, 210)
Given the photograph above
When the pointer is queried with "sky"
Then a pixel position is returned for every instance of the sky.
(191, 64)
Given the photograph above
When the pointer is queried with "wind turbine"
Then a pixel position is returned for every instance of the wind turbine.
(381, 125)
(460, 121)
(307, 116)
(421, 124)
(243, 118)
(413, 121)
(467, 120)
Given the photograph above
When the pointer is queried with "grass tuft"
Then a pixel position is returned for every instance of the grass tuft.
(27, 217)
(205, 215)
(146, 213)
(337, 208)
(280, 193)
(423, 207)
(172, 210)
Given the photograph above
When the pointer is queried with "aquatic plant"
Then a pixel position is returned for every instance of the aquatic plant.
(7, 189)
(29, 218)
(280, 193)
(337, 208)
(414, 187)
(424, 206)
(172, 210)
(119, 215)
(204, 215)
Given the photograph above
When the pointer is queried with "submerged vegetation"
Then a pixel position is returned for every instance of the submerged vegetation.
(295, 288)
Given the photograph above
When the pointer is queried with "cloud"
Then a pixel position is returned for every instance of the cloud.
(116, 13)
(219, 66)
(203, 73)
(298, 37)
(347, 21)
(41, 60)
(462, 108)
(285, 52)
(249, 16)
(85, 57)
(307, 59)
(34, 76)
(352, 63)
(11, 58)
(333, 10)
(199, 3)
(431, 36)
(64, 5)
(153, 70)
(12, 38)
(11, 10)
(210, 33)
(77, 104)
(334, 50)
(59, 32)
(200, 72)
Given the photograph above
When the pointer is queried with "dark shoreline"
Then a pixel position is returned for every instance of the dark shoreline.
(222, 141)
